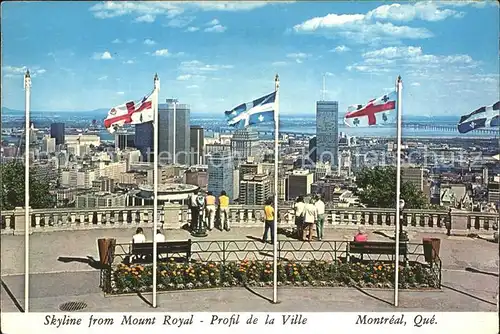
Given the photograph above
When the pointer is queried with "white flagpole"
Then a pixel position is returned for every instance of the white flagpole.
(27, 88)
(399, 87)
(276, 157)
(155, 181)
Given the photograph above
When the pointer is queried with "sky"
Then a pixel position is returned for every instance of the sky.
(216, 55)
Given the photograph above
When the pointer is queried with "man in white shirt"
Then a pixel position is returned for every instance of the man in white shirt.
(139, 236)
(320, 210)
(310, 216)
(298, 208)
(159, 237)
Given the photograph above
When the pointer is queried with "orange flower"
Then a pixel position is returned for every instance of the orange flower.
(379, 267)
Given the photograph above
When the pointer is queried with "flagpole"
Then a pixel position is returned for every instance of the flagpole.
(276, 156)
(155, 182)
(27, 88)
(399, 87)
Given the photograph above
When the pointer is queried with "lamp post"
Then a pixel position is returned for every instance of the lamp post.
(403, 236)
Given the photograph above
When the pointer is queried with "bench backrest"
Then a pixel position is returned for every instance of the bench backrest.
(163, 247)
(376, 247)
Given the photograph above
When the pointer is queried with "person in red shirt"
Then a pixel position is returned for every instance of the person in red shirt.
(361, 236)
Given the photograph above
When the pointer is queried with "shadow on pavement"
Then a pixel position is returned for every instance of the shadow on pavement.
(144, 299)
(258, 294)
(384, 235)
(12, 297)
(468, 294)
(477, 271)
(251, 237)
(372, 296)
(88, 260)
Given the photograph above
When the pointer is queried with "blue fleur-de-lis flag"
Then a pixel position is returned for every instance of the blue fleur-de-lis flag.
(484, 117)
(255, 112)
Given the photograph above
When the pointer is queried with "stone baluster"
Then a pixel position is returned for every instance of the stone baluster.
(241, 216)
(383, 218)
(47, 220)
(107, 217)
(333, 217)
(99, 218)
(82, 218)
(7, 219)
(72, 217)
(250, 218)
(359, 218)
(37, 221)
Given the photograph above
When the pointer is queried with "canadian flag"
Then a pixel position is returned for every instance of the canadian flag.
(375, 112)
(130, 113)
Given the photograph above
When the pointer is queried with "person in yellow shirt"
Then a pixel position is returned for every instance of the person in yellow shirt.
(269, 220)
(210, 207)
(224, 210)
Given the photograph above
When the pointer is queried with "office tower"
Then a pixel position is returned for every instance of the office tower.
(197, 176)
(197, 139)
(48, 144)
(327, 131)
(299, 183)
(124, 140)
(493, 192)
(414, 175)
(249, 168)
(255, 189)
(244, 144)
(57, 132)
(103, 183)
(220, 173)
(174, 136)
(321, 170)
(143, 139)
(312, 148)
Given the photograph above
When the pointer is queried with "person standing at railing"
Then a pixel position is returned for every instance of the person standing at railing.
(310, 217)
(159, 237)
(269, 220)
(139, 236)
(320, 211)
(210, 209)
(224, 210)
(298, 208)
(195, 211)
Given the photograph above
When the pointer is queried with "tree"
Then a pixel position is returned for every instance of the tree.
(12, 192)
(377, 188)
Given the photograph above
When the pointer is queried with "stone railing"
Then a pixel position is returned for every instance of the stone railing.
(175, 216)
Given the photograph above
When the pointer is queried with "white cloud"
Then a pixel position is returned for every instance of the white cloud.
(214, 22)
(16, 72)
(149, 42)
(161, 53)
(104, 77)
(180, 22)
(416, 84)
(40, 71)
(196, 67)
(360, 29)
(194, 77)
(116, 41)
(192, 29)
(217, 28)
(148, 11)
(394, 52)
(120, 93)
(147, 18)
(192, 86)
(102, 56)
(340, 49)
(299, 57)
(426, 11)
(128, 61)
(279, 63)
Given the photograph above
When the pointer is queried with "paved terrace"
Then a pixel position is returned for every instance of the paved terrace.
(470, 278)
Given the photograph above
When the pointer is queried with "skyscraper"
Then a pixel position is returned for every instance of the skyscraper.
(144, 139)
(124, 140)
(244, 144)
(174, 131)
(327, 131)
(220, 173)
(57, 132)
(255, 189)
(197, 138)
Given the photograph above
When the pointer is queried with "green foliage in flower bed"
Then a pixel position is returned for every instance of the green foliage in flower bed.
(177, 276)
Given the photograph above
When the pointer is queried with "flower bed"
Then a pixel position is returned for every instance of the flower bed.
(177, 276)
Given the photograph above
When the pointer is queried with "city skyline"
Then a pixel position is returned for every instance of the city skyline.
(364, 46)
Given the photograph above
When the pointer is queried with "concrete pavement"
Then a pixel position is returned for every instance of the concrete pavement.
(53, 282)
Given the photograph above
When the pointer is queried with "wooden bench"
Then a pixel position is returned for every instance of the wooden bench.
(376, 248)
(143, 252)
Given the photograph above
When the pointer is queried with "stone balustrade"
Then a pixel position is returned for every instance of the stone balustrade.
(175, 216)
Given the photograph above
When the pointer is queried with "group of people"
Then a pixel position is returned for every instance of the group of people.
(139, 236)
(309, 215)
(205, 208)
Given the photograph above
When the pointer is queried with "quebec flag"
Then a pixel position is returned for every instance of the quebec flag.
(257, 111)
(484, 117)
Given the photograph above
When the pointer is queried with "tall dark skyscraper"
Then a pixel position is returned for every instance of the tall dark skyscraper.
(327, 131)
(57, 132)
(197, 145)
(312, 148)
(144, 139)
(174, 131)
(244, 144)
(124, 140)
